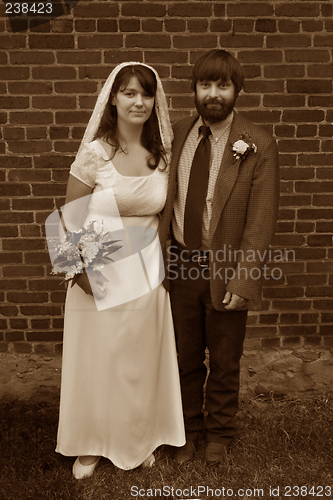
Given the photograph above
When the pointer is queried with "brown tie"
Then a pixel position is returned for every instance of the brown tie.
(197, 192)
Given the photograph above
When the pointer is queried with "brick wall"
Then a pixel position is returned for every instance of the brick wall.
(50, 77)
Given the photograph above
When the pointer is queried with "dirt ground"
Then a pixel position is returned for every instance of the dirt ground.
(36, 378)
(30, 377)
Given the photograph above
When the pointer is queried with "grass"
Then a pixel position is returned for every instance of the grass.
(279, 443)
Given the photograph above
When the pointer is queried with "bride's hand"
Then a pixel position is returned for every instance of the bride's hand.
(94, 285)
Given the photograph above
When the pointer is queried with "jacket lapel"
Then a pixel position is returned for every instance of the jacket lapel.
(177, 147)
(180, 138)
(227, 175)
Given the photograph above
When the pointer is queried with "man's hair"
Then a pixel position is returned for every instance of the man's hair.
(218, 65)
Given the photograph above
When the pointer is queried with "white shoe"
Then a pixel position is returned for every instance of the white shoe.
(80, 471)
(149, 462)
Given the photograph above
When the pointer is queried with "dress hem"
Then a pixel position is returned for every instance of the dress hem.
(114, 462)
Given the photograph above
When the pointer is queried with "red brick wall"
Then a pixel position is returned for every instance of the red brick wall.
(50, 77)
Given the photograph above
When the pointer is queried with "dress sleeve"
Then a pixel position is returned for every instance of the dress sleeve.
(85, 165)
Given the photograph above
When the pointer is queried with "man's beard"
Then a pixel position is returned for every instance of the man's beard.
(213, 115)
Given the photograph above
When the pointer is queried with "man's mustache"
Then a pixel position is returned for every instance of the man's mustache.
(214, 101)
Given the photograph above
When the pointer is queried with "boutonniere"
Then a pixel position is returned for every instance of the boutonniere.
(243, 147)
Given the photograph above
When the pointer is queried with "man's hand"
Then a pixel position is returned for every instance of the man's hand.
(94, 286)
(234, 301)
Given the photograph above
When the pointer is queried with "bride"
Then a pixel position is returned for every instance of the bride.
(120, 394)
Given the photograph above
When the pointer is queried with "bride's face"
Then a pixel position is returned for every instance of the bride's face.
(134, 105)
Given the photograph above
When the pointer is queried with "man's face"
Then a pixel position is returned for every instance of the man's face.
(214, 100)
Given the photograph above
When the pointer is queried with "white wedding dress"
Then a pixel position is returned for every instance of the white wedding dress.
(120, 393)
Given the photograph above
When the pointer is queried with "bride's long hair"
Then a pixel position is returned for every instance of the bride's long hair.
(150, 137)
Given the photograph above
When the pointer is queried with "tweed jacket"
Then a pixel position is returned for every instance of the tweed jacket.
(244, 212)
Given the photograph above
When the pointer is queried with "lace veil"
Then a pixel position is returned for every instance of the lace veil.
(161, 108)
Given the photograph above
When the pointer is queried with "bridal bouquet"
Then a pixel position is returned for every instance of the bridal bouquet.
(87, 248)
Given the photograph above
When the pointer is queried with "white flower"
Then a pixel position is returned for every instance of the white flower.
(97, 267)
(240, 147)
(65, 247)
(90, 251)
(88, 238)
(98, 227)
(243, 147)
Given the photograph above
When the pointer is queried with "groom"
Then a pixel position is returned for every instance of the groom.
(220, 216)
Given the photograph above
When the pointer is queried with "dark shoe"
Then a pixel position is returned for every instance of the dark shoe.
(216, 452)
(185, 453)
